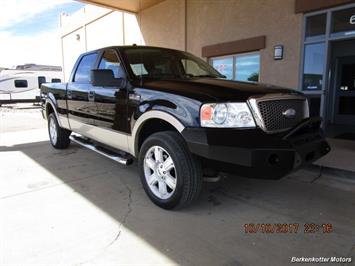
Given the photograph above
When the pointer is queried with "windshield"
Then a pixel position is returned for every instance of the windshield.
(159, 63)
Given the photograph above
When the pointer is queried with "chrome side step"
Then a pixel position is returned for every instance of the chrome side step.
(119, 157)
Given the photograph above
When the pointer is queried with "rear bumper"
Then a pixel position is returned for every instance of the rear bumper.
(257, 154)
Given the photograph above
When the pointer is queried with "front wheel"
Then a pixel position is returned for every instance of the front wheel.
(170, 174)
(59, 137)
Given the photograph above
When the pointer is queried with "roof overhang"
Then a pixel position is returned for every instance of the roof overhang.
(127, 5)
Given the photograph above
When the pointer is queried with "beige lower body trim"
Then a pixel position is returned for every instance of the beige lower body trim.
(109, 137)
(63, 121)
(117, 140)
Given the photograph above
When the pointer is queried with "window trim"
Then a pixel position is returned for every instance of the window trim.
(327, 40)
(235, 47)
(303, 66)
(234, 57)
(316, 38)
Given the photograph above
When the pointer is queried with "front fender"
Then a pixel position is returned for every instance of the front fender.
(185, 109)
(153, 114)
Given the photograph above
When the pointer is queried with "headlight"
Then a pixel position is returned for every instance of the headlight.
(229, 115)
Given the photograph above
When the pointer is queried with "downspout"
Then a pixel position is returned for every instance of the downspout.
(62, 46)
(185, 14)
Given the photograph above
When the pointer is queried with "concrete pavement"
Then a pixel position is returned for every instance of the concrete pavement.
(75, 207)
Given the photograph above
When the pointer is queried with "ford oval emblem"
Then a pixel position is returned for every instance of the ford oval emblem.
(289, 113)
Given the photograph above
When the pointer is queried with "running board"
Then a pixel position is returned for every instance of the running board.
(119, 157)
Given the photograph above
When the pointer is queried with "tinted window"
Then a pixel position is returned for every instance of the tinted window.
(85, 66)
(344, 21)
(247, 67)
(224, 66)
(316, 25)
(55, 80)
(191, 68)
(110, 61)
(139, 69)
(313, 66)
(21, 83)
(167, 64)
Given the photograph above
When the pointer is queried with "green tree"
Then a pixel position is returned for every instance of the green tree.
(254, 77)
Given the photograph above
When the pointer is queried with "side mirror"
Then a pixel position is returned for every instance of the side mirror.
(105, 78)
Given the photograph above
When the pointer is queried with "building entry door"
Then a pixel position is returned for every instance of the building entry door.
(344, 91)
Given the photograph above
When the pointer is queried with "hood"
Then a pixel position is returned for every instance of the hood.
(213, 89)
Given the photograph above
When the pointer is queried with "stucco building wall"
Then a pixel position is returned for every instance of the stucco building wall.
(164, 24)
(210, 22)
(190, 25)
(93, 27)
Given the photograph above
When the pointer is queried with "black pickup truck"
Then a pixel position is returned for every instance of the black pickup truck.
(181, 119)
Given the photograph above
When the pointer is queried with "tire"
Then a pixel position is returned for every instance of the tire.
(59, 137)
(156, 169)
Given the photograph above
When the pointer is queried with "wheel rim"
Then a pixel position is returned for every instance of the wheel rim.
(160, 173)
(53, 131)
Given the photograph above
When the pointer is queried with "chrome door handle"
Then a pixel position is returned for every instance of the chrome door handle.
(91, 95)
(69, 95)
(134, 97)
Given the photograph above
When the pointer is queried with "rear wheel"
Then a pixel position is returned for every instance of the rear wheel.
(170, 174)
(59, 137)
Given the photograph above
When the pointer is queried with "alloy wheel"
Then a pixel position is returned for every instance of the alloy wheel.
(160, 172)
(53, 131)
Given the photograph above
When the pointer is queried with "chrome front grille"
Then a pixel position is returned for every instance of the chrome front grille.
(279, 113)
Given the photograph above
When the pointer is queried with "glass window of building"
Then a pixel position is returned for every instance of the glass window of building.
(316, 26)
(224, 66)
(343, 22)
(247, 67)
(242, 67)
(313, 66)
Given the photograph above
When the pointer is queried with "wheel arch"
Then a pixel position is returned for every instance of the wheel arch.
(146, 123)
(50, 107)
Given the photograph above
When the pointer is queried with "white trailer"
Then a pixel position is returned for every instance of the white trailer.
(22, 83)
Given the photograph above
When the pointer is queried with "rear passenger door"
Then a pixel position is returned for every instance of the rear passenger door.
(111, 102)
(81, 104)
